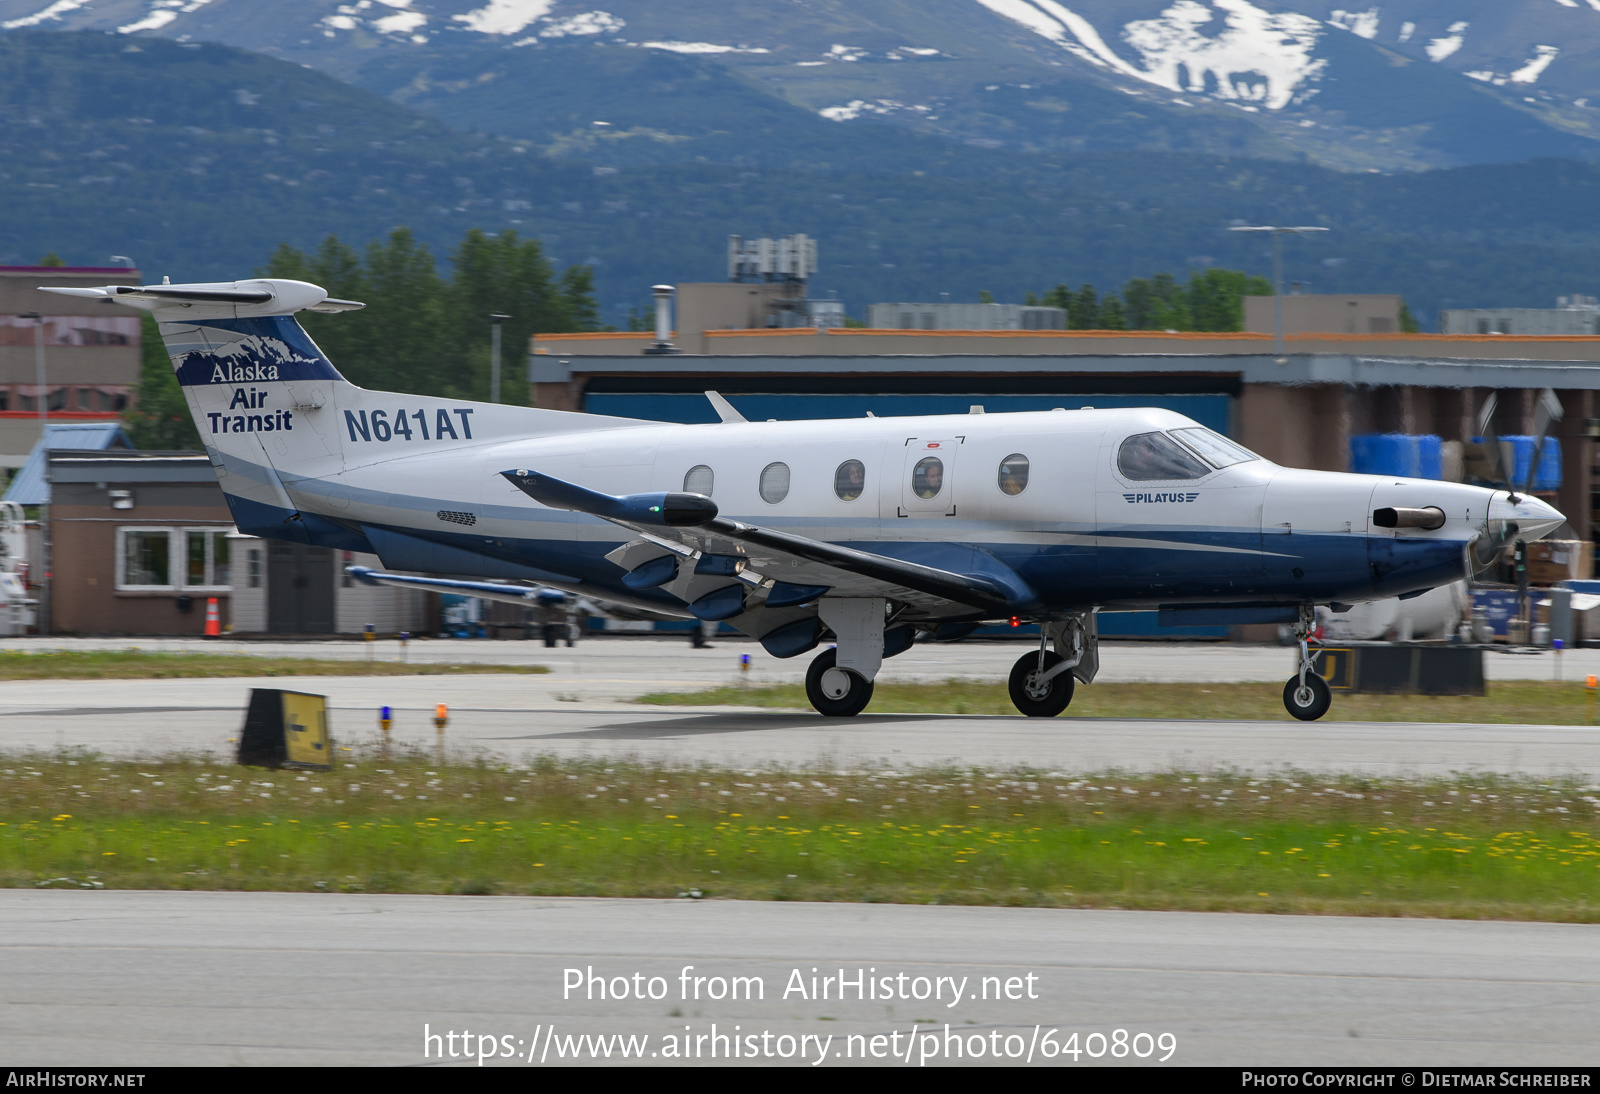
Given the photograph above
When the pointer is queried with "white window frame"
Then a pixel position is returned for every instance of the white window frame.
(183, 562)
(177, 557)
(122, 558)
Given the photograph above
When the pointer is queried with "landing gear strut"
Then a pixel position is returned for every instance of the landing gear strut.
(1307, 695)
(836, 692)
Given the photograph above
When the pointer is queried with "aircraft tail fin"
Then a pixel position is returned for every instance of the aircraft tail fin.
(232, 332)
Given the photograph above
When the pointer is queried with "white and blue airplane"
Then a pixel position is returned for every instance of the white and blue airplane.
(863, 532)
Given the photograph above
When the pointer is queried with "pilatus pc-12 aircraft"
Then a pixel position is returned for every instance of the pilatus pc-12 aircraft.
(860, 532)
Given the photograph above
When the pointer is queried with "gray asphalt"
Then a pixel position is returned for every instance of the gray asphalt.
(616, 666)
(492, 714)
(147, 979)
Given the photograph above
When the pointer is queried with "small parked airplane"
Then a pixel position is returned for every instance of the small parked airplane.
(864, 531)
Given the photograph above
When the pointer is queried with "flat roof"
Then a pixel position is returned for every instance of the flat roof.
(1265, 368)
(67, 465)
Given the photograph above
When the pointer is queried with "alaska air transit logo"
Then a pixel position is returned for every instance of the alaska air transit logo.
(1135, 499)
(247, 351)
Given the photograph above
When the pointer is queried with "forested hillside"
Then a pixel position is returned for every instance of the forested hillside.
(199, 160)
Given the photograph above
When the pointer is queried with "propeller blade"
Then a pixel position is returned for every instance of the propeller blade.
(1546, 413)
(1490, 459)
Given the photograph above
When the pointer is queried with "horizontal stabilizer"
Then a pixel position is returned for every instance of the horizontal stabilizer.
(483, 590)
(240, 299)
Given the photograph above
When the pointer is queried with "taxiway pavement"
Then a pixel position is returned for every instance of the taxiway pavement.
(147, 979)
(581, 708)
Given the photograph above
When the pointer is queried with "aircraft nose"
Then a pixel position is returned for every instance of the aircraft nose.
(1534, 518)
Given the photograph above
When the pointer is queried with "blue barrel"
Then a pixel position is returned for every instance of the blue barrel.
(1400, 455)
(1430, 456)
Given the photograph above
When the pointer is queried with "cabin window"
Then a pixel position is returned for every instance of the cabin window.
(698, 480)
(849, 480)
(927, 478)
(1014, 474)
(1153, 456)
(1214, 448)
(774, 483)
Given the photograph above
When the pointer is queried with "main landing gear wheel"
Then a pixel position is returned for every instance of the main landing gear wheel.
(1308, 701)
(836, 692)
(1036, 698)
(1307, 695)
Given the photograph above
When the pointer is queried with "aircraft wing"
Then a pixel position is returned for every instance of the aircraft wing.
(684, 524)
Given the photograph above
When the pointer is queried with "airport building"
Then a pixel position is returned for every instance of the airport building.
(1323, 313)
(1572, 316)
(76, 358)
(947, 316)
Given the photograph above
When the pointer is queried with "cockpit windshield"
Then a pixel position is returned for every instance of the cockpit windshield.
(1214, 448)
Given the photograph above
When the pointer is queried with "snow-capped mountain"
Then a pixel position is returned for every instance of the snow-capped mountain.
(1408, 83)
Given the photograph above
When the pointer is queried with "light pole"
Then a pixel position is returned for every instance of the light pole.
(1277, 275)
(38, 367)
(495, 319)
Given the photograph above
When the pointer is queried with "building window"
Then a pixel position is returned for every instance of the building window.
(699, 480)
(1014, 474)
(255, 567)
(207, 556)
(144, 558)
(849, 480)
(774, 483)
(158, 559)
(29, 399)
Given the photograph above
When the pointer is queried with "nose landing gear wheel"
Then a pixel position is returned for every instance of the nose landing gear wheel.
(1310, 702)
(836, 692)
(1039, 699)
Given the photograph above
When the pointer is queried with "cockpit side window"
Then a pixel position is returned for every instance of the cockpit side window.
(1153, 456)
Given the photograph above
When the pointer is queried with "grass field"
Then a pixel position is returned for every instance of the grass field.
(1472, 846)
(1518, 702)
(136, 664)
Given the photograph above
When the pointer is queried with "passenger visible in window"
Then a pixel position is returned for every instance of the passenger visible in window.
(1014, 474)
(850, 480)
(927, 478)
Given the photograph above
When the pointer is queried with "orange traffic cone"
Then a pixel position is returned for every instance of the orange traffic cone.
(213, 618)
